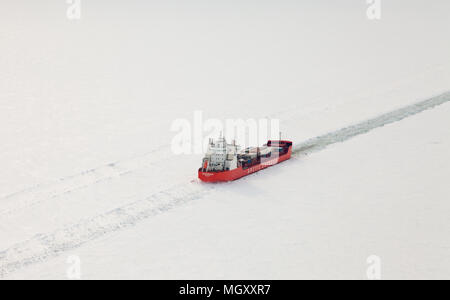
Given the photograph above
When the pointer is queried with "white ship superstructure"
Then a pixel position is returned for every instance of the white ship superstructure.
(221, 156)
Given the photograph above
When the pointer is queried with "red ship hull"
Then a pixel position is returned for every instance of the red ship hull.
(240, 172)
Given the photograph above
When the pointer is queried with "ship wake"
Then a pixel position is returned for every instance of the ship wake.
(320, 142)
(44, 246)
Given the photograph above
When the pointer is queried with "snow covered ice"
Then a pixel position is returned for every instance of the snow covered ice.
(86, 108)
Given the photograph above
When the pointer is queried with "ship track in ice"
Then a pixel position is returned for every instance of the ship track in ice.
(320, 142)
(44, 246)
